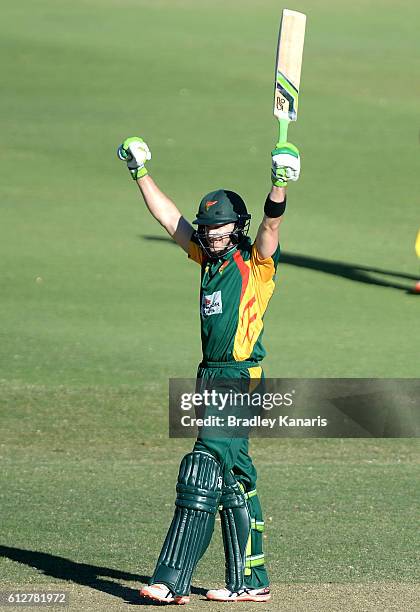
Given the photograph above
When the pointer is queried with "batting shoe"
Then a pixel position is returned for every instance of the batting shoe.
(243, 595)
(161, 593)
(417, 287)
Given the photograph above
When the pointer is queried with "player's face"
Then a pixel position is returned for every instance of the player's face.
(218, 236)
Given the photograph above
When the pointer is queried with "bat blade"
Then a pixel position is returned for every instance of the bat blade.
(289, 65)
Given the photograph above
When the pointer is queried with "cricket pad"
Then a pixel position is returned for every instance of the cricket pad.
(198, 492)
(236, 526)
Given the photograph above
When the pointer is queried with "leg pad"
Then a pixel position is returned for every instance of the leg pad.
(198, 493)
(236, 525)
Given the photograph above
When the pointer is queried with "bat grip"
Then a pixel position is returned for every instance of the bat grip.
(283, 127)
(124, 155)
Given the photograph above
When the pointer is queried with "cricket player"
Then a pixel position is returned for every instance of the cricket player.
(417, 248)
(237, 282)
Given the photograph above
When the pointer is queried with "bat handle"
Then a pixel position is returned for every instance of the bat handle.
(283, 127)
(123, 155)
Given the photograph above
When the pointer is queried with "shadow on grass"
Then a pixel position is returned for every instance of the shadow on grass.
(93, 576)
(354, 272)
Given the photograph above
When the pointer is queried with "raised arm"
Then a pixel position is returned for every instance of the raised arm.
(285, 167)
(136, 152)
(165, 211)
(268, 233)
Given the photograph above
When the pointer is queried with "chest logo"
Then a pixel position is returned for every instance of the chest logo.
(212, 304)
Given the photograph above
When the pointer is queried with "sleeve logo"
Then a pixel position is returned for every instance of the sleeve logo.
(212, 304)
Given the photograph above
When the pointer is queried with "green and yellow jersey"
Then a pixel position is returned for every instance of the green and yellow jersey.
(235, 292)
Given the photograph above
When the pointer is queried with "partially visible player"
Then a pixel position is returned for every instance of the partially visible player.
(417, 247)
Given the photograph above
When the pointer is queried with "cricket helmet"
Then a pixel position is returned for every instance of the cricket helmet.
(220, 207)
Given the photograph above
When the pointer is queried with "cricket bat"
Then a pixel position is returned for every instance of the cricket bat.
(288, 69)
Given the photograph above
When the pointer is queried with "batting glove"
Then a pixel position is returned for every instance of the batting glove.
(135, 152)
(285, 164)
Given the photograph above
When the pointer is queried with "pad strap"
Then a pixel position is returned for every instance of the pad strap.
(250, 559)
(250, 493)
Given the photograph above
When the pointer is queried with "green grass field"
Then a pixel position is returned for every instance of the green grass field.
(97, 312)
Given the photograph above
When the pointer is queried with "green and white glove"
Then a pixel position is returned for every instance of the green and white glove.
(136, 153)
(285, 164)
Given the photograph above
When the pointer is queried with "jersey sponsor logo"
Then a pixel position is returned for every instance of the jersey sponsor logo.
(212, 304)
(208, 204)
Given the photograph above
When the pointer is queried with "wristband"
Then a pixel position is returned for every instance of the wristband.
(274, 209)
